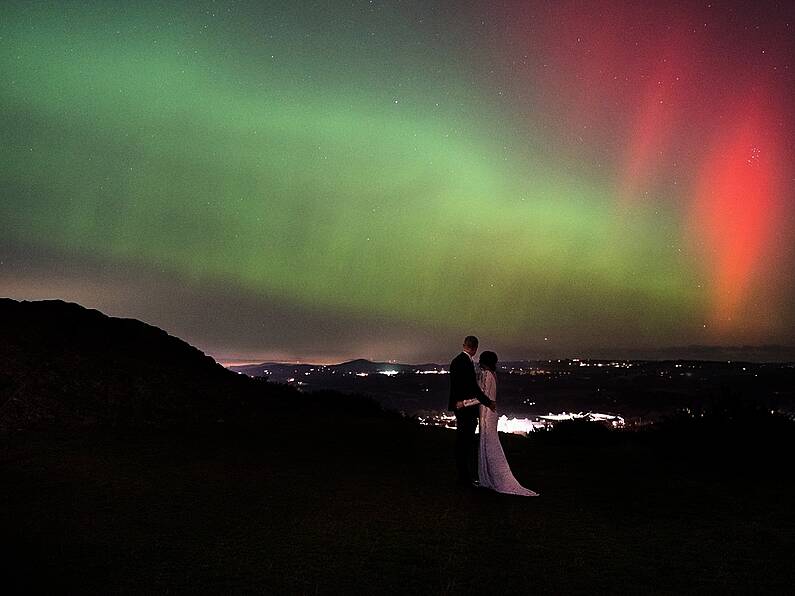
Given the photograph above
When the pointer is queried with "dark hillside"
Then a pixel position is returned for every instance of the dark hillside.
(64, 364)
(368, 506)
(324, 494)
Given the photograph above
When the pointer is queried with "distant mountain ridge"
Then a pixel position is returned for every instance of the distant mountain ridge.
(701, 353)
(282, 370)
(61, 363)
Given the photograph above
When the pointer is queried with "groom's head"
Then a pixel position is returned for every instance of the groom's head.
(470, 344)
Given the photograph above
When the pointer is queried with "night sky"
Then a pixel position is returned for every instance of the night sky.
(329, 180)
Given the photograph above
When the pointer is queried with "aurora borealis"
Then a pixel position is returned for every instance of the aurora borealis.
(329, 180)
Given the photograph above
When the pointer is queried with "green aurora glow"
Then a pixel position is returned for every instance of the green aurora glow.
(287, 159)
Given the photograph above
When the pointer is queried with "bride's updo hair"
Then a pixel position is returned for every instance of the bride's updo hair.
(488, 360)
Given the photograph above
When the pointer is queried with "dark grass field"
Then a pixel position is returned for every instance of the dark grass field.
(367, 505)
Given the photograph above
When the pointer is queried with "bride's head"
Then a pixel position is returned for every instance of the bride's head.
(488, 360)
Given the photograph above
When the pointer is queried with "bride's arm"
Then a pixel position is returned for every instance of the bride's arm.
(490, 386)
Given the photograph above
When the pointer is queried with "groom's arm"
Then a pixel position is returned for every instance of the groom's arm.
(480, 396)
(484, 399)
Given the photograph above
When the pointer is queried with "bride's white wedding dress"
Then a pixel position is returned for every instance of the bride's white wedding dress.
(493, 469)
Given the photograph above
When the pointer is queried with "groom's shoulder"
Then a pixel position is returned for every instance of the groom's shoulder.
(460, 359)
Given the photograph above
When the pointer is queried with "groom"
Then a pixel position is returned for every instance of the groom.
(463, 386)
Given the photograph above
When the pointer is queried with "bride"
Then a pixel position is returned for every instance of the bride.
(493, 469)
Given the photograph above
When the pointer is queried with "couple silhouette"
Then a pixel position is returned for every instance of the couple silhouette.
(473, 399)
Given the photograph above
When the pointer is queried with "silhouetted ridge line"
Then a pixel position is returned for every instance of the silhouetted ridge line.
(358, 365)
(63, 364)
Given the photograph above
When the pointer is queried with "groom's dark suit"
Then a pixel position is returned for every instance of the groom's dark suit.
(464, 385)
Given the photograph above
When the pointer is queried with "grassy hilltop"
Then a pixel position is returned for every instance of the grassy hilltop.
(319, 494)
(368, 505)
